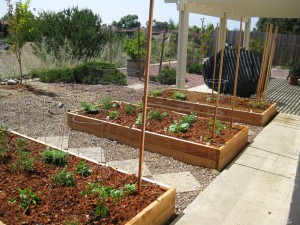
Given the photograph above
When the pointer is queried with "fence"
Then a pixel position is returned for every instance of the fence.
(287, 47)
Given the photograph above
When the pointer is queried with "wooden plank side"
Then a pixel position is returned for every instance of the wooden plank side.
(269, 114)
(158, 212)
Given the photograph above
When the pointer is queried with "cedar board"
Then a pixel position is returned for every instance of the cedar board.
(204, 110)
(158, 212)
(185, 151)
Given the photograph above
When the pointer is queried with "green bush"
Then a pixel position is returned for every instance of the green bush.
(195, 68)
(167, 75)
(85, 73)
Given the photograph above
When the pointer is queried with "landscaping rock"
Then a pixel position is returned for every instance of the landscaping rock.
(11, 82)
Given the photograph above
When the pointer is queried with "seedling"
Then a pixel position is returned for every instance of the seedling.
(84, 169)
(116, 105)
(25, 163)
(179, 96)
(139, 119)
(129, 109)
(64, 178)
(260, 104)
(139, 106)
(207, 139)
(176, 127)
(156, 93)
(55, 157)
(21, 144)
(113, 115)
(190, 119)
(27, 197)
(89, 107)
(156, 115)
(130, 188)
(106, 103)
(219, 126)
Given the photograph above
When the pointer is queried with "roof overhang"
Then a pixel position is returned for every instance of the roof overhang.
(235, 9)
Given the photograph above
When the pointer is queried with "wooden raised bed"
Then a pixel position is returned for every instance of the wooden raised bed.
(205, 110)
(186, 151)
(158, 212)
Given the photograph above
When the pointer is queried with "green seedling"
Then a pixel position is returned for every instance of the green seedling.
(25, 162)
(55, 157)
(219, 127)
(130, 188)
(177, 127)
(156, 115)
(179, 96)
(113, 115)
(139, 106)
(116, 105)
(106, 103)
(89, 107)
(129, 109)
(84, 169)
(64, 178)
(260, 104)
(156, 93)
(21, 144)
(27, 197)
(139, 119)
(190, 119)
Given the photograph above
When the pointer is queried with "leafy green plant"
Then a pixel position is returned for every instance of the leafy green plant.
(191, 118)
(179, 96)
(27, 197)
(295, 69)
(55, 157)
(178, 127)
(157, 92)
(195, 68)
(84, 169)
(25, 161)
(21, 144)
(3, 141)
(89, 107)
(64, 178)
(113, 115)
(116, 105)
(155, 115)
(167, 76)
(139, 106)
(219, 126)
(106, 103)
(261, 104)
(139, 119)
(207, 139)
(130, 188)
(129, 109)
(131, 46)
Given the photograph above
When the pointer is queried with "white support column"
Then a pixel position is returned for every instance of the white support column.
(247, 34)
(221, 29)
(182, 46)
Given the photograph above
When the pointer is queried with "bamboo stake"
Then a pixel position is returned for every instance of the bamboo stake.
(220, 75)
(215, 60)
(142, 144)
(270, 63)
(261, 65)
(237, 70)
(162, 51)
(139, 52)
(110, 44)
(170, 46)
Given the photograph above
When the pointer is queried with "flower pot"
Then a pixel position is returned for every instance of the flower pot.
(293, 80)
(135, 68)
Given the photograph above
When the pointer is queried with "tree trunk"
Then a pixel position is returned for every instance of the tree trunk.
(20, 65)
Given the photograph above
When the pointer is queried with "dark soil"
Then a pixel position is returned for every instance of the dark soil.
(64, 205)
(225, 101)
(196, 130)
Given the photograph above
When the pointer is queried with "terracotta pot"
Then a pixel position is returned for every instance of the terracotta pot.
(134, 68)
(293, 80)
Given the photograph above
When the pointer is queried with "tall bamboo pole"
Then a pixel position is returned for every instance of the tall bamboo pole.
(170, 46)
(139, 52)
(162, 51)
(215, 60)
(142, 144)
(220, 75)
(270, 63)
(237, 70)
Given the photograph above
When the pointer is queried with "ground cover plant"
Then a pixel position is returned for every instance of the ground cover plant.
(55, 195)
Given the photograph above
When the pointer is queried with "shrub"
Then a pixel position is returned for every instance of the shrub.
(195, 68)
(64, 178)
(295, 69)
(55, 157)
(167, 75)
(131, 46)
(85, 73)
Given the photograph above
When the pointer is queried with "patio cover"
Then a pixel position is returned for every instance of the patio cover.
(227, 9)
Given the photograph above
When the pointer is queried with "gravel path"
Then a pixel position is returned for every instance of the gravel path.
(35, 111)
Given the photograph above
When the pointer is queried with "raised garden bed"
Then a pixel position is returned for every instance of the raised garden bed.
(204, 105)
(194, 146)
(36, 195)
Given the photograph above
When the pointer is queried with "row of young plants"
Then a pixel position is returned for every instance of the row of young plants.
(179, 95)
(112, 111)
(24, 162)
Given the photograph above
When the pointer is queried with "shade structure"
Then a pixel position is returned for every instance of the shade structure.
(227, 9)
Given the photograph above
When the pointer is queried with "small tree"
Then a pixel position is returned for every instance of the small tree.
(20, 26)
(127, 22)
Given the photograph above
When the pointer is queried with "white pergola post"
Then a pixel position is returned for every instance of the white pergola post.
(247, 34)
(221, 29)
(182, 45)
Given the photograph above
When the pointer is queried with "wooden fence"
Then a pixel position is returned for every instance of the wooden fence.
(287, 49)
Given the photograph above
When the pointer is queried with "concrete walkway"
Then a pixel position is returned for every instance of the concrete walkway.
(258, 187)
